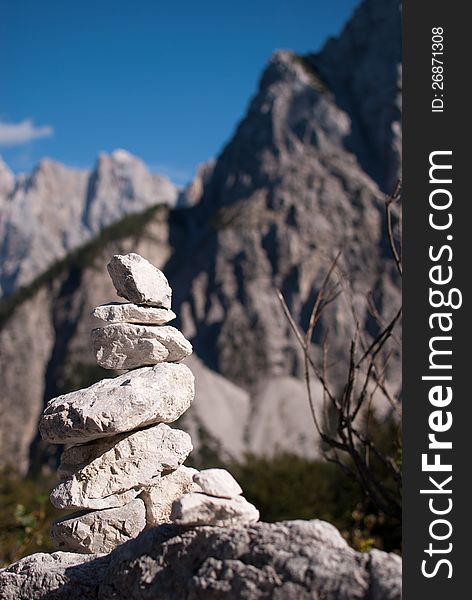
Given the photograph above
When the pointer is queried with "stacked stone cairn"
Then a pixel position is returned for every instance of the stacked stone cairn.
(122, 466)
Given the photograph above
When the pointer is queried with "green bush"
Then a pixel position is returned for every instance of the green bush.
(284, 487)
(26, 515)
(290, 487)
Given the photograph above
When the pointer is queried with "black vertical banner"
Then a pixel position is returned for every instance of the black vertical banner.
(437, 354)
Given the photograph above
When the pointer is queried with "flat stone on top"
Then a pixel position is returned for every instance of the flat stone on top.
(137, 280)
(100, 531)
(218, 482)
(129, 346)
(127, 312)
(110, 466)
(159, 394)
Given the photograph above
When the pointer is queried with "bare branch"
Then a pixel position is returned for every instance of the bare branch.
(391, 239)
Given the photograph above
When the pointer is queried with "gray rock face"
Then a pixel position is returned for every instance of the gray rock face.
(158, 394)
(55, 209)
(217, 482)
(111, 466)
(132, 313)
(101, 530)
(294, 560)
(128, 346)
(200, 509)
(71, 494)
(23, 357)
(218, 417)
(288, 191)
(159, 497)
(140, 282)
(363, 69)
(290, 188)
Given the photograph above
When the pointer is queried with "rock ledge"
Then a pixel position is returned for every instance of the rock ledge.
(293, 560)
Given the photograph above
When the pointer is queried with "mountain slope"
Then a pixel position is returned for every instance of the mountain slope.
(363, 69)
(284, 197)
(45, 215)
(296, 184)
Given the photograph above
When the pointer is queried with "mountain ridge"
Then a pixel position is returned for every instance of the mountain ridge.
(288, 191)
(54, 209)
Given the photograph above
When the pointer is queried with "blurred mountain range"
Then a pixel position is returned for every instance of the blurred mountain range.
(48, 213)
(303, 177)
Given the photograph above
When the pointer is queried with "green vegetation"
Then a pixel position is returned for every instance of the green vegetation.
(25, 515)
(129, 226)
(284, 487)
(290, 487)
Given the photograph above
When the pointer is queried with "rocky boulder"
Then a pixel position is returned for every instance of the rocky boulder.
(293, 560)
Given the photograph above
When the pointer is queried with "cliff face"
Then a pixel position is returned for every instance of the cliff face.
(302, 178)
(44, 345)
(45, 215)
(298, 181)
(363, 69)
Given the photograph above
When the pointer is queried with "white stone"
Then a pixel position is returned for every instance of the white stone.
(138, 281)
(200, 509)
(111, 466)
(128, 346)
(158, 394)
(159, 497)
(126, 312)
(218, 482)
(100, 531)
(71, 494)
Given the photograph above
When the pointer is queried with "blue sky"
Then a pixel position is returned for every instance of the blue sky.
(167, 81)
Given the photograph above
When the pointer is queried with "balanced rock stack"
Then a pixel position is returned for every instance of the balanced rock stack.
(122, 465)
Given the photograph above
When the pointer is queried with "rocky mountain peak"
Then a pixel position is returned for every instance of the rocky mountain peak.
(297, 182)
(193, 192)
(7, 180)
(50, 178)
(119, 161)
(362, 67)
(56, 209)
(301, 179)
(121, 183)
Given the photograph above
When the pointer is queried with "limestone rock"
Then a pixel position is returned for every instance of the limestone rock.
(159, 497)
(115, 465)
(138, 281)
(286, 193)
(126, 312)
(199, 509)
(386, 575)
(71, 494)
(128, 346)
(38, 228)
(100, 531)
(217, 482)
(158, 394)
(293, 560)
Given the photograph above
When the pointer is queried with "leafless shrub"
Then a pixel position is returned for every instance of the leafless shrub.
(345, 422)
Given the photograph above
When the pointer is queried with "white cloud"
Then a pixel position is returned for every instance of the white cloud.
(15, 134)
